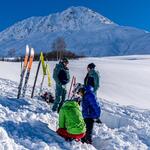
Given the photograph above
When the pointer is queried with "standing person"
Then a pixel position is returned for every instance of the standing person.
(62, 77)
(90, 111)
(92, 77)
(71, 122)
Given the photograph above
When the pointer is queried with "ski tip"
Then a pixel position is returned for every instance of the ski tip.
(27, 49)
(32, 51)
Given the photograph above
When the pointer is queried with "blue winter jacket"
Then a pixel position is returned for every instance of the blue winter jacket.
(90, 106)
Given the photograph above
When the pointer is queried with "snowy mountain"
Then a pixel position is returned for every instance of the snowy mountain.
(85, 32)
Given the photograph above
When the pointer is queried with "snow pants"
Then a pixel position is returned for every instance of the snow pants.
(60, 95)
(62, 132)
(89, 128)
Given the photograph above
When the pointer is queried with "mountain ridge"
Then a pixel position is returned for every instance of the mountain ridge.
(86, 32)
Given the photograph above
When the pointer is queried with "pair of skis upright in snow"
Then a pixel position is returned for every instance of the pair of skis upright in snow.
(28, 60)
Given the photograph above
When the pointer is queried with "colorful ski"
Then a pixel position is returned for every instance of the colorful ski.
(49, 76)
(28, 72)
(23, 71)
(44, 68)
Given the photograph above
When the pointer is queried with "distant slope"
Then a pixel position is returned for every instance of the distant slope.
(85, 31)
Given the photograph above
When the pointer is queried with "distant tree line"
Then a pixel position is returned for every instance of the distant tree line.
(55, 55)
(58, 51)
(11, 59)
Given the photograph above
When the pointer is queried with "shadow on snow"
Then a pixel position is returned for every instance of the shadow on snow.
(35, 131)
(13, 104)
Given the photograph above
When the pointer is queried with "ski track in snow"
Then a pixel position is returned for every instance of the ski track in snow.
(30, 124)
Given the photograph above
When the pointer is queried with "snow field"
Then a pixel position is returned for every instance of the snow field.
(30, 124)
(124, 80)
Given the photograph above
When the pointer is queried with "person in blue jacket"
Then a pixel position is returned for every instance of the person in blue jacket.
(90, 111)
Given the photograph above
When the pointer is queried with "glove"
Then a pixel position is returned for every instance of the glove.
(98, 121)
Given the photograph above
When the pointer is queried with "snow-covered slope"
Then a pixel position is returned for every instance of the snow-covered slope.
(74, 18)
(85, 31)
(124, 80)
(30, 123)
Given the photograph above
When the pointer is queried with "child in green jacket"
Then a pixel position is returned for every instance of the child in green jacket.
(71, 122)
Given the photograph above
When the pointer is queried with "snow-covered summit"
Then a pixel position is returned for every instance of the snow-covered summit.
(84, 16)
(85, 32)
(73, 18)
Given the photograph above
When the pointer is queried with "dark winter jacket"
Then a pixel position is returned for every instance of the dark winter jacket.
(92, 79)
(61, 74)
(90, 106)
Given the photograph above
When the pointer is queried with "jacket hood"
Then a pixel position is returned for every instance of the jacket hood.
(70, 103)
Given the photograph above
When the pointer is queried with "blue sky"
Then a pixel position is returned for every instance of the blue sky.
(134, 13)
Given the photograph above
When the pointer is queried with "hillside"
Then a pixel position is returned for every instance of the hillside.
(85, 32)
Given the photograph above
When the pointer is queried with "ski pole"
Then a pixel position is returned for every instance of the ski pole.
(71, 87)
(41, 85)
(35, 78)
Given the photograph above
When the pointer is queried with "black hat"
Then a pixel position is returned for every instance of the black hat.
(65, 60)
(82, 90)
(91, 66)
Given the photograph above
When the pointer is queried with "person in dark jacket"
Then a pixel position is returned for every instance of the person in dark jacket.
(92, 77)
(62, 77)
(90, 111)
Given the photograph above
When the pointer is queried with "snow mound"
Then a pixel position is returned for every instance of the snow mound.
(30, 124)
(131, 126)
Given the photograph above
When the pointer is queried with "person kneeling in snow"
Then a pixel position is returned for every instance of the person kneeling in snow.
(71, 122)
(90, 111)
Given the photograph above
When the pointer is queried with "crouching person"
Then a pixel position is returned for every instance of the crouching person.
(71, 122)
(90, 111)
